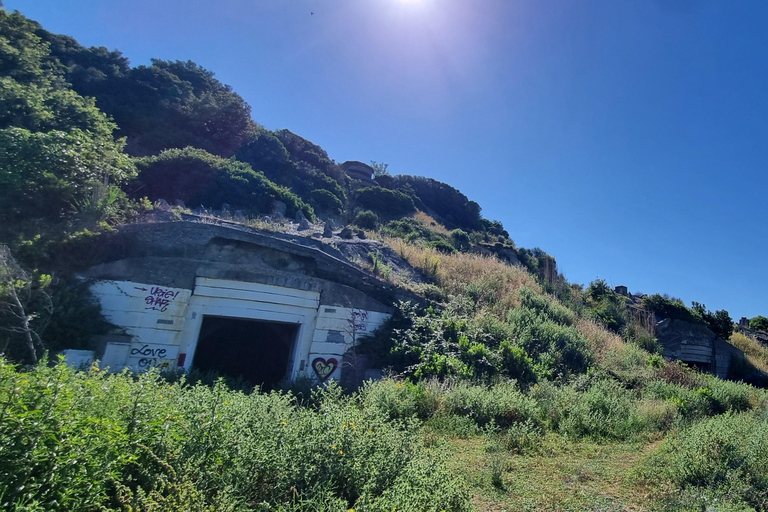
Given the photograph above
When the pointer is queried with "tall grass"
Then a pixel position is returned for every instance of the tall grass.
(756, 354)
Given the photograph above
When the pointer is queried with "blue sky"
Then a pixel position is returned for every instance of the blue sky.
(629, 139)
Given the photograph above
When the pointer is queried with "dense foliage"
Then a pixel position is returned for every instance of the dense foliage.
(759, 323)
(91, 440)
(85, 441)
(199, 178)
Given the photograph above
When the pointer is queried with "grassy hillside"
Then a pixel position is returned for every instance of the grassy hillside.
(512, 390)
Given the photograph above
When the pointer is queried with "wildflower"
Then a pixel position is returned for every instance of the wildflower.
(341, 452)
(284, 423)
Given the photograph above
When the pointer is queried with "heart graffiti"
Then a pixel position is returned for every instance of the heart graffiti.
(324, 367)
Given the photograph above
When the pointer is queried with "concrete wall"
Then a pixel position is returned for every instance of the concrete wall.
(163, 323)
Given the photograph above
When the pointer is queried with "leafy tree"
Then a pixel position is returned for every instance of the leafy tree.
(379, 169)
(57, 152)
(668, 308)
(25, 306)
(52, 176)
(759, 323)
(719, 322)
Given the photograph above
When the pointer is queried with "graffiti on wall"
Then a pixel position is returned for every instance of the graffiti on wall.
(158, 298)
(324, 367)
(357, 320)
(148, 355)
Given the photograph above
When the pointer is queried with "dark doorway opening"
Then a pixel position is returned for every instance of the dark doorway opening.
(256, 351)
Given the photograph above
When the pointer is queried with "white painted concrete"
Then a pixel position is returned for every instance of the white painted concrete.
(165, 323)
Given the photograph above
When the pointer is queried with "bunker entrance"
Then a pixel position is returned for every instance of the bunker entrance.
(256, 351)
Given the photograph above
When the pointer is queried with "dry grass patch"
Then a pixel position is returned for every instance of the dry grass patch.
(756, 353)
(459, 273)
(430, 223)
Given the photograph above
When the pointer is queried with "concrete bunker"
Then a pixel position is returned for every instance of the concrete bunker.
(241, 302)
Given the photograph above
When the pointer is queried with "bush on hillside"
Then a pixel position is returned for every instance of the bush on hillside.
(366, 219)
(668, 308)
(411, 230)
(604, 411)
(442, 246)
(324, 201)
(90, 440)
(720, 462)
(448, 203)
(200, 178)
(460, 239)
(759, 323)
(391, 203)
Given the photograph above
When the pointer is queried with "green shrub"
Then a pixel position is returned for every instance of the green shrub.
(758, 323)
(197, 177)
(411, 230)
(658, 415)
(605, 411)
(722, 459)
(692, 403)
(398, 399)
(503, 404)
(88, 440)
(366, 219)
(384, 201)
(460, 239)
(442, 246)
(324, 200)
(523, 437)
(668, 308)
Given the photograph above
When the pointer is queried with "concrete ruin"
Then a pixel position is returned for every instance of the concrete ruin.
(696, 346)
(262, 306)
(359, 171)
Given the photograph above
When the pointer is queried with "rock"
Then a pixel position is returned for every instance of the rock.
(225, 207)
(327, 231)
(346, 233)
(300, 216)
(179, 203)
(239, 216)
(361, 234)
(304, 224)
(278, 207)
(162, 204)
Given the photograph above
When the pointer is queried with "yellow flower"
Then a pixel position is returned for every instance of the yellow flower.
(341, 452)
(333, 446)
(284, 423)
